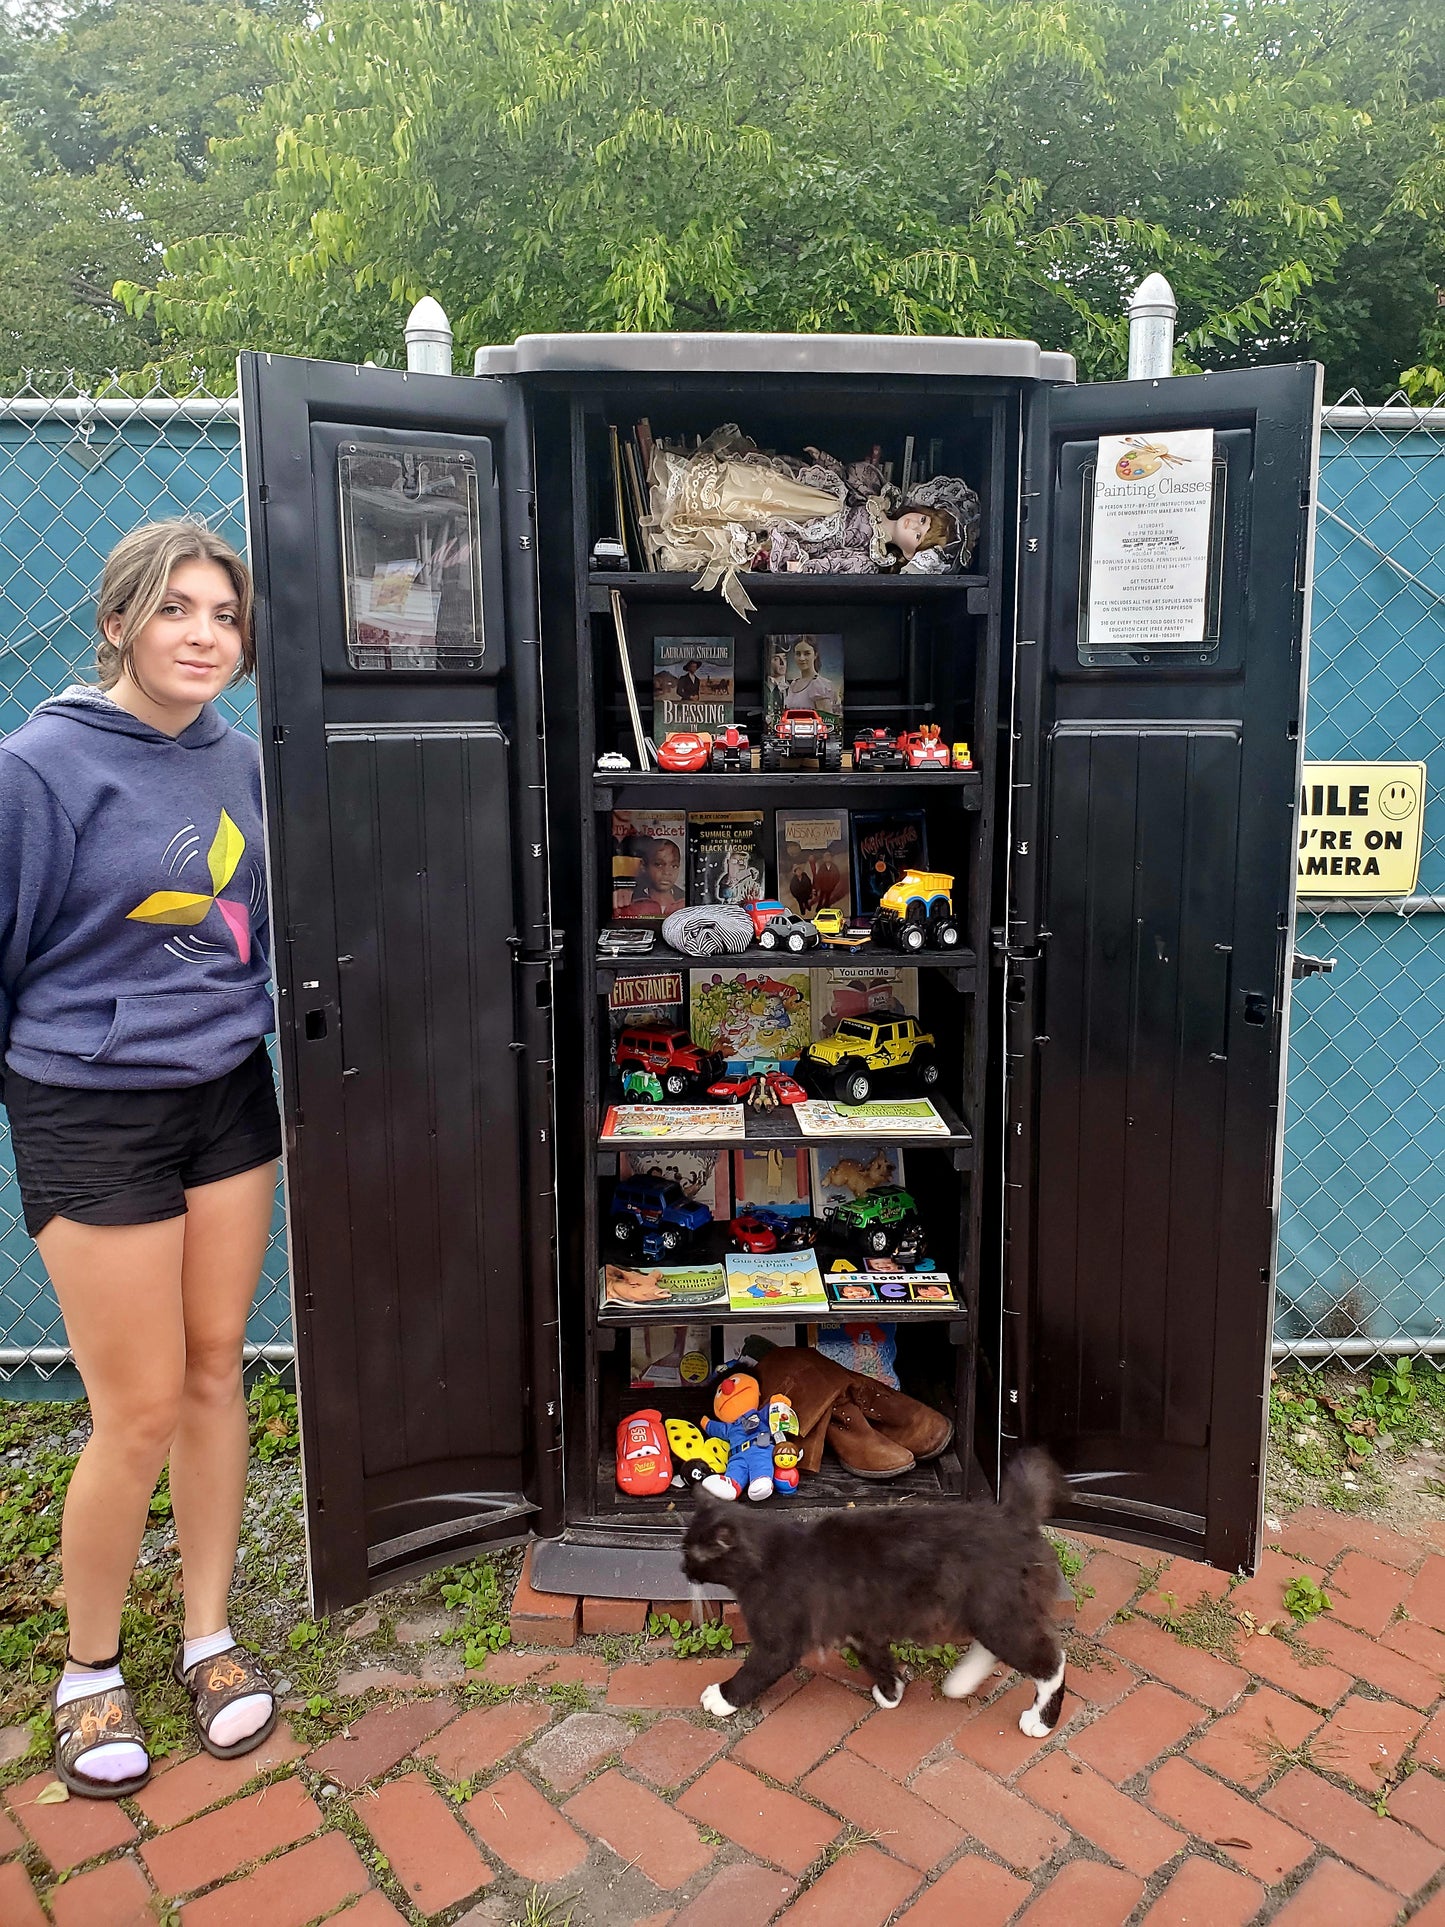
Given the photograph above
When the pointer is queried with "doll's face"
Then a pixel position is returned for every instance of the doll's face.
(909, 531)
(805, 658)
(660, 866)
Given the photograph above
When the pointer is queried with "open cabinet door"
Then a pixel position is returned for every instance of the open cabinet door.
(1158, 706)
(390, 520)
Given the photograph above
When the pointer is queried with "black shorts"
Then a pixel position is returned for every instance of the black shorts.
(129, 1157)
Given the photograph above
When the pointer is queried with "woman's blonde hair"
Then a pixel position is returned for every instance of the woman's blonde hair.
(136, 576)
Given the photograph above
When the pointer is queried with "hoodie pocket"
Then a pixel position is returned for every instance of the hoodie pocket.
(185, 1031)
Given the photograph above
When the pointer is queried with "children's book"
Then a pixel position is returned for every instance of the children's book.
(752, 1016)
(862, 990)
(645, 997)
(670, 1355)
(682, 1288)
(726, 863)
(776, 1176)
(649, 864)
(692, 683)
(846, 1173)
(803, 672)
(813, 861)
(775, 1282)
(885, 844)
(871, 1349)
(680, 1123)
(700, 1171)
(904, 1117)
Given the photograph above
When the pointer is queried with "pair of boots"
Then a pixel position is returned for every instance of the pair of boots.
(875, 1432)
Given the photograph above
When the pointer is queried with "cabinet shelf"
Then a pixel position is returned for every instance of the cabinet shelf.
(961, 965)
(617, 1315)
(779, 789)
(772, 1130)
(677, 586)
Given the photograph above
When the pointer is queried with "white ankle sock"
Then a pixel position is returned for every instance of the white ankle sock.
(242, 1717)
(121, 1759)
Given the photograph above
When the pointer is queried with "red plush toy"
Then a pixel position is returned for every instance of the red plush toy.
(644, 1463)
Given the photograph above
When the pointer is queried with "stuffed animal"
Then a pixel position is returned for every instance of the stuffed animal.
(694, 1458)
(787, 1453)
(750, 1443)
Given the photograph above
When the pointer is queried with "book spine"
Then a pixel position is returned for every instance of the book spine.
(614, 454)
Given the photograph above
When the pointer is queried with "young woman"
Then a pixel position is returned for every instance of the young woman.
(133, 1009)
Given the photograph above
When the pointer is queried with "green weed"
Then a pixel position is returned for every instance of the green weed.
(275, 1424)
(1304, 1600)
(712, 1636)
(474, 1592)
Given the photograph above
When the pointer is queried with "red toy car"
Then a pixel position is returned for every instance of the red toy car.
(800, 733)
(877, 749)
(924, 747)
(734, 1090)
(731, 749)
(685, 749)
(644, 1463)
(671, 1055)
(752, 1233)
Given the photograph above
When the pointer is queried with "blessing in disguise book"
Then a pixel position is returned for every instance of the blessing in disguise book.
(885, 844)
(692, 683)
(725, 856)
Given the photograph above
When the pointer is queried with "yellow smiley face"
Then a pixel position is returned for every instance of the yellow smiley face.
(1398, 800)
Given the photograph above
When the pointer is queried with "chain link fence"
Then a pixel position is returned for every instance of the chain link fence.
(1362, 1235)
(76, 472)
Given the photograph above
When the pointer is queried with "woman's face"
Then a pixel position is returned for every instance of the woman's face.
(805, 658)
(191, 647)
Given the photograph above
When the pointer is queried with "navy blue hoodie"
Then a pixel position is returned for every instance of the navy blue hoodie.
(133, 925)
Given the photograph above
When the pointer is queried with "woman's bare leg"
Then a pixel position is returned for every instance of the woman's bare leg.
(226, 1225)
(119, 1288)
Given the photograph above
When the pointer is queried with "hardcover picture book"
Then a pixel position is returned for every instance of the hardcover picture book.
(752, 1016)
(803, 672)
(840, 1175)
(683, 1288)
(775, 1281)
(645, 997)
(692, 683)
(670, 1355)
(726, 863)
(699, 1171)
(776, 1176)
(649, 864)
(813, 860)
(903, 1117)
(885, 844)
(679, 1122)
(863, 990)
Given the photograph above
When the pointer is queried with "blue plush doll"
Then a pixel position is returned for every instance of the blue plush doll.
(750, 1443)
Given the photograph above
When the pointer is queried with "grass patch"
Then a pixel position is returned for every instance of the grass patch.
(1207, 1624)
(712, 1636)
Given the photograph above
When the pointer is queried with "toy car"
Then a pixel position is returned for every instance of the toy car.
(685, 749)
(762, 1228)
(924, 747)
(679, 1065)
(877, 1221)
(832, 926)
(800, 733)
(962, 756)
(612, 759)
(864, 1050)
(644, 1463)
(779, 929)
(917, 910)
(642, 1087)
(781, 1088)
(877, 749)
(731, 749)
(655, 1205)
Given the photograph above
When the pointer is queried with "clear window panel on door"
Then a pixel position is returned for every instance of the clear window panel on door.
(410, 545)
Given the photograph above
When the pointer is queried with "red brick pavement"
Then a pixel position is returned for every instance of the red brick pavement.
(1299, 1781)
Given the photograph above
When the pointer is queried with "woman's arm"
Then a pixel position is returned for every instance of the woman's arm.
(37, 851)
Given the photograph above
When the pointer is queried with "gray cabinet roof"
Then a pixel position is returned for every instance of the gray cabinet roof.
(757, 354)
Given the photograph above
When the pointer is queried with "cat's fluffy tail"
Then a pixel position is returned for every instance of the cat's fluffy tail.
(1033, 1487)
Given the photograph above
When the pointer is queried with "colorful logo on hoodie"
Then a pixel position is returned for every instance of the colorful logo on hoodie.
(188, 907)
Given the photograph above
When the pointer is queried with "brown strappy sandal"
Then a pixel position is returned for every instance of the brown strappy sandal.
(91, 1720)
(216, 1683)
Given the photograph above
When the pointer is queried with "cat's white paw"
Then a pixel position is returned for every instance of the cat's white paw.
(714, 1702)
(1031, 1723)
(883, 1699)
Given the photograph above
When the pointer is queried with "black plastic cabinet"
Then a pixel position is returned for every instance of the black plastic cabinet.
(439, 674)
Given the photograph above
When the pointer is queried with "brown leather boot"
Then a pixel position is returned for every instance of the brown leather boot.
(906, 1421)
(867, 1454)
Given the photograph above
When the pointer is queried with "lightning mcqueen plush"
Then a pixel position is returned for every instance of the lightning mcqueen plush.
(644, 1463)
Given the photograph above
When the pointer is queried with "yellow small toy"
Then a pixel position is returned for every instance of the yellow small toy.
(694, 1458)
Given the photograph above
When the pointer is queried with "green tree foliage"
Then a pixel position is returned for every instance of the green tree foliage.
(976, 166)
(106, 117)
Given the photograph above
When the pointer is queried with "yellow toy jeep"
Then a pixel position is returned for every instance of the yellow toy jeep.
(863, 1051)
(917, 910)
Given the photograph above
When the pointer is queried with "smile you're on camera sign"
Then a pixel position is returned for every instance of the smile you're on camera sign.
(1360, 829)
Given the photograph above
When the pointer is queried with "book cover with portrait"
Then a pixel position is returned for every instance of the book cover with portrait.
(692, 683)
(803, 672)
(813, 861)
(649, 864)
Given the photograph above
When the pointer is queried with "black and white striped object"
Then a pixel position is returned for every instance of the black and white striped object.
(704, 929)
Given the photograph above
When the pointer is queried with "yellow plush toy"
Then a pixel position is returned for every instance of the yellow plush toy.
(694, 1458)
